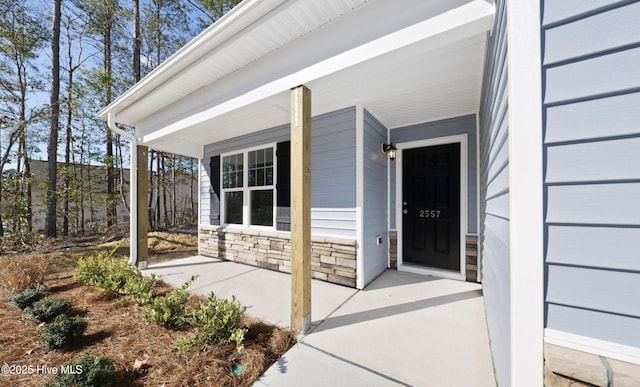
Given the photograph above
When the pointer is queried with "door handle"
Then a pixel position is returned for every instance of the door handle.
(404, 211)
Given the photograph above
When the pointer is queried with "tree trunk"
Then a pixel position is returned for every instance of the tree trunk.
(158, 218)
(164, 190)
(67, 149)
(149, 212)
(111, 200)
(137, 41)
(174, 206)
(52, 148)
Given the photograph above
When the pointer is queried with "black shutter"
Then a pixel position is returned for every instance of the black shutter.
(283, 186)
(214, 213)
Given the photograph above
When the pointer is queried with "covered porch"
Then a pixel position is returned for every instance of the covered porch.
(402, 329)
(395, 66)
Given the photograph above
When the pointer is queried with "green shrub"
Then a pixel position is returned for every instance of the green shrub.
(88, 371)
(116, 277)
(217, 320)
(62, 330)
(169, 310)
(47, 310)
(27, 297)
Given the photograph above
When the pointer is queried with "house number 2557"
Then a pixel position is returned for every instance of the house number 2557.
(430, 214)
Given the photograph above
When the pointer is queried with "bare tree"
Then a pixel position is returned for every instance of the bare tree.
(52, 148)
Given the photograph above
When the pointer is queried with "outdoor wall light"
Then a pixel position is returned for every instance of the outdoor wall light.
(390, 150)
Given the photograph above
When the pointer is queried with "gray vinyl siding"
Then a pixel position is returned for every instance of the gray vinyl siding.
(449, 127)
(494, 198)
(375, 199)
(591, 58)
(333, 169)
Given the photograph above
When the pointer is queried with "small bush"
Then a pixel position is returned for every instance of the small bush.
(62, 330)
(217, 320)
(141, 288)
(47, 310)
(27, 297)
(116, 277)
(169, 310)
(88, 371)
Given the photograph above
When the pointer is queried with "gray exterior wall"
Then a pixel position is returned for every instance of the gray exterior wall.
(449, 127)
(333, 170)
(591, 67)
(494, 198)
(375, 199)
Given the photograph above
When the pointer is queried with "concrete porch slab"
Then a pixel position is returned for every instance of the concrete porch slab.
(420, 330)
(266, 293)
(403, 328)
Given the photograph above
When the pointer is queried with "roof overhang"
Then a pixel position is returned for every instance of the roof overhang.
(406, 62)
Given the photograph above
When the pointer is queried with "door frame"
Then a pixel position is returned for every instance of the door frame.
(462, 140)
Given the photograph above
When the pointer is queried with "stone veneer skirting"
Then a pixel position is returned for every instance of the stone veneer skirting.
(332, 259)
(471, 254)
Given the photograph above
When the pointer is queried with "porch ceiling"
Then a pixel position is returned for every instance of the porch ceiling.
(421, 71)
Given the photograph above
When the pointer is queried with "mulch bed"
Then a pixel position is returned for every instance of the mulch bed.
(143, 353)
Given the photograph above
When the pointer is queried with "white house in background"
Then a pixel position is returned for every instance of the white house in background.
(517, 135)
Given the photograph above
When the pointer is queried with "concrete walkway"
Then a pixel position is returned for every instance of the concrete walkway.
(401, 329)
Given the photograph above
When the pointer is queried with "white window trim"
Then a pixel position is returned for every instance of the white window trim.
(246, 190)
(463, 141)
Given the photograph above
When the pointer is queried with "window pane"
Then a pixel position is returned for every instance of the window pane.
(232, 171)
(261, 167)
(260, 158)
(269, 176)
(233, 207)
(262, 207)
(260, 176)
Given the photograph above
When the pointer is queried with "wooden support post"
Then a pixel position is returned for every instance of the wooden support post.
(143, 217)
(301, 209)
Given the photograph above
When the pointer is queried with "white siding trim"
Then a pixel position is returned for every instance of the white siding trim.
(594, 346)
(526, 188)
(464, 167)
(478, 184)
(389, 161)
(359, 196)
(199, 192)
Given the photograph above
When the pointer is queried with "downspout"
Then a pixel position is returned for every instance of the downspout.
(133, 188)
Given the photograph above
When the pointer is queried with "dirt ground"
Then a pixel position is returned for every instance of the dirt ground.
(143, 352)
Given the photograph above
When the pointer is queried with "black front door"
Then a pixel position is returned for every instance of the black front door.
(431, 206)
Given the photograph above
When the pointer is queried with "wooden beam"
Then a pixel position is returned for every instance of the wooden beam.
(143, 217)
(301, 209)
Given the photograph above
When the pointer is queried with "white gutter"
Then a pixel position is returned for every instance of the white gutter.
(133, 188)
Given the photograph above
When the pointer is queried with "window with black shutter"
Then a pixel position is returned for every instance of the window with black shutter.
(214, 213)
(283, 186)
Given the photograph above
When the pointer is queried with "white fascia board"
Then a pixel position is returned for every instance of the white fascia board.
(525, 192)
(229, 25)
(448, 27)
